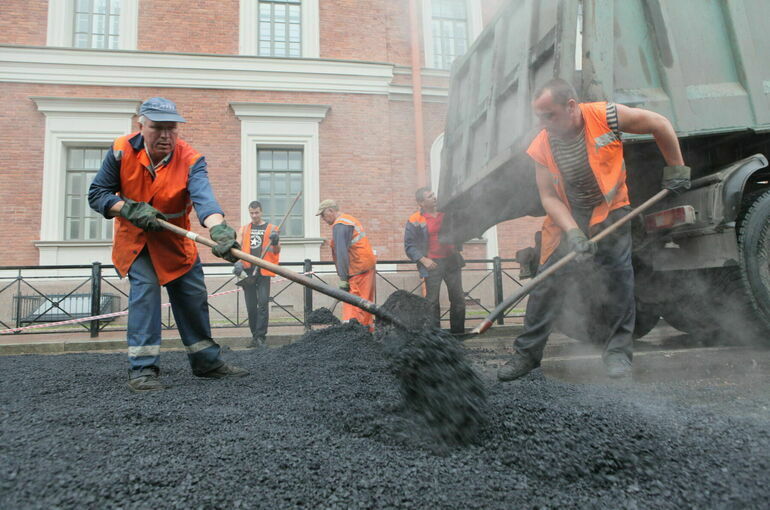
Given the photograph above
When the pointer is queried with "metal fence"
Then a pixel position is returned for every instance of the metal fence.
(74, 298)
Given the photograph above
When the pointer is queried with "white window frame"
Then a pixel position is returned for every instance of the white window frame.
(276, 125)
(74, 122)
(61, 20)
(475, 26)
(311, 38)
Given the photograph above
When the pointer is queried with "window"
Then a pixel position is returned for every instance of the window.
(450, 26)
(280, 28)
(279, 179)
(96, 24)
(93, 24)
(80, 221)
(450, 31)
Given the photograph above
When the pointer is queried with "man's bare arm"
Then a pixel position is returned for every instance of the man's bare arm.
(553, 205)
(644, 122)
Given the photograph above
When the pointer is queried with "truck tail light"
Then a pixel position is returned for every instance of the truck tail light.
(670, 218)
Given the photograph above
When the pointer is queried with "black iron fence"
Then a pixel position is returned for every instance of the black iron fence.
(74, 298)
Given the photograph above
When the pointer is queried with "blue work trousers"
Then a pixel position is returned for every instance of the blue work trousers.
(615, 290)
(257, 296)
(189, 303)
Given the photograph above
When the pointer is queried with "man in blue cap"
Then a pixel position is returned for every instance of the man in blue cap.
(145, 176)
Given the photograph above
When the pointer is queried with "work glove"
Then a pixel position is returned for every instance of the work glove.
(676, 178)
(580, 244)
(275, 238)
(142, 215)
(238, 268)
(344, 285)
(224, 236)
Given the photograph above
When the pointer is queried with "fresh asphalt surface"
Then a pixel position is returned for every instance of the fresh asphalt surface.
(319, 424)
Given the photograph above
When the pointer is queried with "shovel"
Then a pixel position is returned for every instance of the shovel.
(330, 291)
(520, 294)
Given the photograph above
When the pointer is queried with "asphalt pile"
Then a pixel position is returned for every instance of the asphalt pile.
(321, 423)
(436, 381)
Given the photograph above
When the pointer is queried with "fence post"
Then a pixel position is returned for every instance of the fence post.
(308, 296)
(18, 300)
(497, 274)
(96, 296)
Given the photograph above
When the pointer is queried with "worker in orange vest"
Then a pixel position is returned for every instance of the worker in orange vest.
(151, 175)
(263, 241)
(581, 178)
(354, 258)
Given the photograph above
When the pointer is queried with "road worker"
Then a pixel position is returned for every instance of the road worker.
(149, 175)
(263, 240)
(581, 178)
(354, 258)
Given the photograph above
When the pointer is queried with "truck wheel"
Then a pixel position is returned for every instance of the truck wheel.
(754, 249)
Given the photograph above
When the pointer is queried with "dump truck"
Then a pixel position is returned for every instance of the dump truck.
(700, 258)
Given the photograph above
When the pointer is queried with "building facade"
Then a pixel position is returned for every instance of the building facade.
(281, 96)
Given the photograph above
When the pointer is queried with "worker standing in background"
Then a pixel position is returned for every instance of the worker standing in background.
(581, 178)
(258, 235)
(354, 258)
(151, 175)
(436, 262)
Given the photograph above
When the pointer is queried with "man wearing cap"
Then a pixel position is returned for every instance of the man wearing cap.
(354, 258)
(151, 175)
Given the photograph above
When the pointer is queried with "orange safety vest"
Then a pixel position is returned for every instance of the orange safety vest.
(605, 156)
(172, 255)
(362, 257)
(270, 256)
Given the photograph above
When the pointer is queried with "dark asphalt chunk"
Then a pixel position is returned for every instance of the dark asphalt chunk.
(320, 424)
(322, 316)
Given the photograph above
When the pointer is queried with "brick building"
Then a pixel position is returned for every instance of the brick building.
(280, 96)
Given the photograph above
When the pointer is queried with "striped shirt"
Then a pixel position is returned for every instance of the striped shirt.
(572, 159)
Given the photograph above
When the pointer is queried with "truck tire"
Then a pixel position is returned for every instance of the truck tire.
(647, 317)
(754, 250)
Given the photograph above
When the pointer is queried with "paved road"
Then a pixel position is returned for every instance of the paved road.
(668, 365)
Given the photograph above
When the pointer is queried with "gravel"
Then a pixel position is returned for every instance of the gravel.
(322, 316)
(321, 423)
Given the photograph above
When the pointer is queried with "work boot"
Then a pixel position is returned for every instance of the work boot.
(518, 366)
(257, 342)
(617, 366)
(222, 371)
(145, 379)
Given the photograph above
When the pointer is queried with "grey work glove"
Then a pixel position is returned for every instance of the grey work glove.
(344, 285)
(224, 236)
(580, 244)
(676, 178)
(275, 238)
(142, 215)
(238, 268)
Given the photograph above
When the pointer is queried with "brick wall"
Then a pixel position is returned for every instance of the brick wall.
(23, 22)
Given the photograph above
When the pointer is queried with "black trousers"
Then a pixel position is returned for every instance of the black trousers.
(448, 271)
(614, 290)
(257, 296)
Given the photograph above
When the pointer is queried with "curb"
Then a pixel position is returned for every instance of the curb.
(499, 337)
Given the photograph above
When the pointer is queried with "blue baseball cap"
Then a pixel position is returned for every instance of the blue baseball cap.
(160, 109)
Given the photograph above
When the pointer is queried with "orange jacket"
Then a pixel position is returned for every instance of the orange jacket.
(270, 256)
(172, 255)
(362, 257)
(605, 155)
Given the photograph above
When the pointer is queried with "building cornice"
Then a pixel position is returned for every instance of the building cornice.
(65, 105)
(310, 112)
(69, 66)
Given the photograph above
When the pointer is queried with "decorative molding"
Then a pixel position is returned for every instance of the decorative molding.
(284, 125)
(73, 121)
(309, 112)
(109, 68)
(429, 94)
